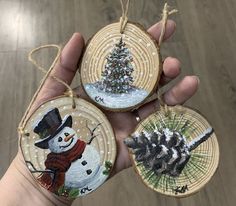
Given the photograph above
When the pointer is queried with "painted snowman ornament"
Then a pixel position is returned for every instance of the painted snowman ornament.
(71, 163)
(85, 167)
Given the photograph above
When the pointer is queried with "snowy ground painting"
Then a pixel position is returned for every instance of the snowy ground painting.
(132, 98)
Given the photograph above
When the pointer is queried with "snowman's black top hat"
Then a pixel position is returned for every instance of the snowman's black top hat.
(49, 126)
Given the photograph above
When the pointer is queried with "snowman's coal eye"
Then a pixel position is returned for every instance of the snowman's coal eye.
(66, 134)
(59, 139)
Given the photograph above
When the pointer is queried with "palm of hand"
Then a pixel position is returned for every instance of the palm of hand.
(123, 123)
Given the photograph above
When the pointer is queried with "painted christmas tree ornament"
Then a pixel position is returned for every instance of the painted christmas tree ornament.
(120, 70)
(175, 151)
(69, 151)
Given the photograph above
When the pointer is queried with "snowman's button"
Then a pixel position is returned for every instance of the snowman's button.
(89, 172)
(84, 163)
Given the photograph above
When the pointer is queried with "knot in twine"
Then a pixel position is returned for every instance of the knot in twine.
(124, 17)
(165, 13)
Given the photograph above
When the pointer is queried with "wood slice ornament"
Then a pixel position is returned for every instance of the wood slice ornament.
(174, 151)
(69, 151)
(121, 66)
(68, 145)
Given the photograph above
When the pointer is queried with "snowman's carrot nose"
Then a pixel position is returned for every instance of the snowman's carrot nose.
(69, 137)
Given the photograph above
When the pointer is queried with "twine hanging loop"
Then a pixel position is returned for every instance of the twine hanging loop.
(70, 92)
(165, 13)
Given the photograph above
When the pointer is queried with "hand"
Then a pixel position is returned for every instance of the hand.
(29, 192)
(124, 123)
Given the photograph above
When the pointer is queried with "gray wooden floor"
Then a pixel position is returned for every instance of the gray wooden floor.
(205, 42)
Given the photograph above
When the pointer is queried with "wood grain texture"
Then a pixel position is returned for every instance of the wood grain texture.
(204, 42)
(145, 55)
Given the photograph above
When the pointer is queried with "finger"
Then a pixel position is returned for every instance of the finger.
(79, 91)
(178, 94)
(155, 30)
(171, 69)
(65, 69)
(182, 91)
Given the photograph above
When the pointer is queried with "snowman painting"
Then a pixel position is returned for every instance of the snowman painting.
(72, 163)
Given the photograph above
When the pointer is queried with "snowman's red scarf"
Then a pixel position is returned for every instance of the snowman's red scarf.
(60, 163)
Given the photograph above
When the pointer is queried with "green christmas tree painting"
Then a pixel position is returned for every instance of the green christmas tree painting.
(115, 89)
(117, 76)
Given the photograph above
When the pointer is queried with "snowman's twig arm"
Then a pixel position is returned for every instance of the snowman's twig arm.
(92, 132)
(31, 164)
(38, 171)
(42, 171)
(90, 141)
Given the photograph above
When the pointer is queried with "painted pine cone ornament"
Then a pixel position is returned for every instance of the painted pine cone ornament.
(176, 153)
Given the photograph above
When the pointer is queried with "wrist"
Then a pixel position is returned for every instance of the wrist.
(19, 186)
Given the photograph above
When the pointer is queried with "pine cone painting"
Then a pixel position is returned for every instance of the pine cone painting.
(174, 151)
(164, 151)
